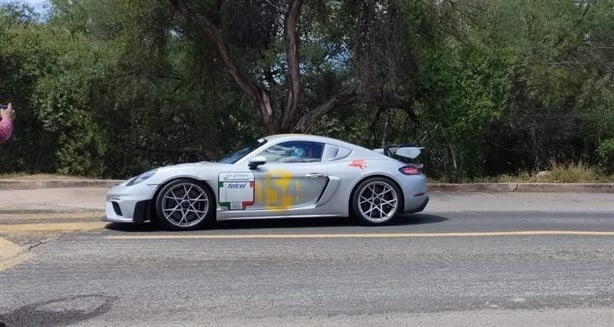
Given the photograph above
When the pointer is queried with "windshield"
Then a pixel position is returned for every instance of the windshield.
(237, 155)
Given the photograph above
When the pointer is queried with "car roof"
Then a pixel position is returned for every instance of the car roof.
(323, 139)
(308, 137)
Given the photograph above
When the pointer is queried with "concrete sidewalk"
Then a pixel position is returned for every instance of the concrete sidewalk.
(52, 209)
(61, 200)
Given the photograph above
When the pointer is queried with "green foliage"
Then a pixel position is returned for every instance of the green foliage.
(110, 88)
(512, 86)
(461, 84)
(65, 112)
(559, 102)
(605, 153)
(25, 57)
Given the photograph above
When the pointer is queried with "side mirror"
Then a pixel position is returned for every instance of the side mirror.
(256, 161)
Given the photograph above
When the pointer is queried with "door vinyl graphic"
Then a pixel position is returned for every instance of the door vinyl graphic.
(236, 190)
(277, 190)
(282, 187)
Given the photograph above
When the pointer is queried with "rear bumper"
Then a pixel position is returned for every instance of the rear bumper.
(414, 192)
(420, 207)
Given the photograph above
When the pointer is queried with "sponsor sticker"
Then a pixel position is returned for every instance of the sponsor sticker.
(236, 190)
(234, 177)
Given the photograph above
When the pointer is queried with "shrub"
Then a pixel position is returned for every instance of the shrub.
(605, 153)
(573, 173)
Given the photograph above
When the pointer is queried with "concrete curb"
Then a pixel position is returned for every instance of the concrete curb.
(432, 187)
(572, 187)
(524, 187)
(9, 184)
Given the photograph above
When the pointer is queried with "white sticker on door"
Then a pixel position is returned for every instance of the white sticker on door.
(236, 190)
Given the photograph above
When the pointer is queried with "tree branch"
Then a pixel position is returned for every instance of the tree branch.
(345, 96)
(562, 37)
(349, 96)
(293, 74)
(254, 91)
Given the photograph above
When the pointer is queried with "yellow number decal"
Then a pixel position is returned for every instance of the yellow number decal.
(278, 191)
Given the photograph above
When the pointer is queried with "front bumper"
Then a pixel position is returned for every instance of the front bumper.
(129, 204)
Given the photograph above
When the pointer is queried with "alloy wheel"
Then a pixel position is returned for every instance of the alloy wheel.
(378, 202)
(184, 205)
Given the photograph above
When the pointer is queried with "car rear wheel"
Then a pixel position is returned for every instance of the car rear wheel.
(376, 201)
(185, 204)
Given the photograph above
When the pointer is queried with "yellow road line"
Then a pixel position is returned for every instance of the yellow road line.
(55, 227)
(11, 255)
(382, 235)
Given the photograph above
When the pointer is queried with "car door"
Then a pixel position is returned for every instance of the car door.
(293, 177)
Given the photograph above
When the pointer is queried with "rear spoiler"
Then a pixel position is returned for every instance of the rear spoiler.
(401, 152)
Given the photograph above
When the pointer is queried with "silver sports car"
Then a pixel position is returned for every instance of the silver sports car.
(280, 176)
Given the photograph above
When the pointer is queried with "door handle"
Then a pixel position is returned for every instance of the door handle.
(314, 175)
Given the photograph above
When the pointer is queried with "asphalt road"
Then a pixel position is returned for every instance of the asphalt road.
(523, 266)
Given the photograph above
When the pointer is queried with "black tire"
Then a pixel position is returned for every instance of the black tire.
(185, 204)
(376, 201)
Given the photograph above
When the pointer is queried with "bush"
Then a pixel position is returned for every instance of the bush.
(605, 153)
(572, 173)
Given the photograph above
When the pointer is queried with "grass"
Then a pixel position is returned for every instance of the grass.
(557, 173)
(575, 173)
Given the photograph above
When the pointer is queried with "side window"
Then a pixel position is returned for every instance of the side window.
(294, 151)
(333, 152)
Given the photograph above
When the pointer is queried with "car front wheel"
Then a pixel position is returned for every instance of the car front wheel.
(185, 204)
(376, 201)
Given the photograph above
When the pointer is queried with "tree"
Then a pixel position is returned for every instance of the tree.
(558, 100)
(347, 45)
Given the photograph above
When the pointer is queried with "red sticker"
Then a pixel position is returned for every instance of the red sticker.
(358, 164)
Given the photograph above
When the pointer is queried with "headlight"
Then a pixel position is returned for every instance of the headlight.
(141, 177)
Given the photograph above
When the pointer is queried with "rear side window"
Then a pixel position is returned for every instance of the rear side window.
(294, 151)
(334, 152)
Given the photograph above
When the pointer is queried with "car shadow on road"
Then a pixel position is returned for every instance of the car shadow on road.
(76, 309)
(403, 220)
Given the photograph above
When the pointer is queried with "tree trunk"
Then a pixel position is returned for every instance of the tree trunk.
(253, 90)
(290, 119)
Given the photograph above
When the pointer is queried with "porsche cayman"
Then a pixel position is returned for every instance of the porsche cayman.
(279, 176)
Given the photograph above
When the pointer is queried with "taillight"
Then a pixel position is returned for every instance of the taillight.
(409, 170)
